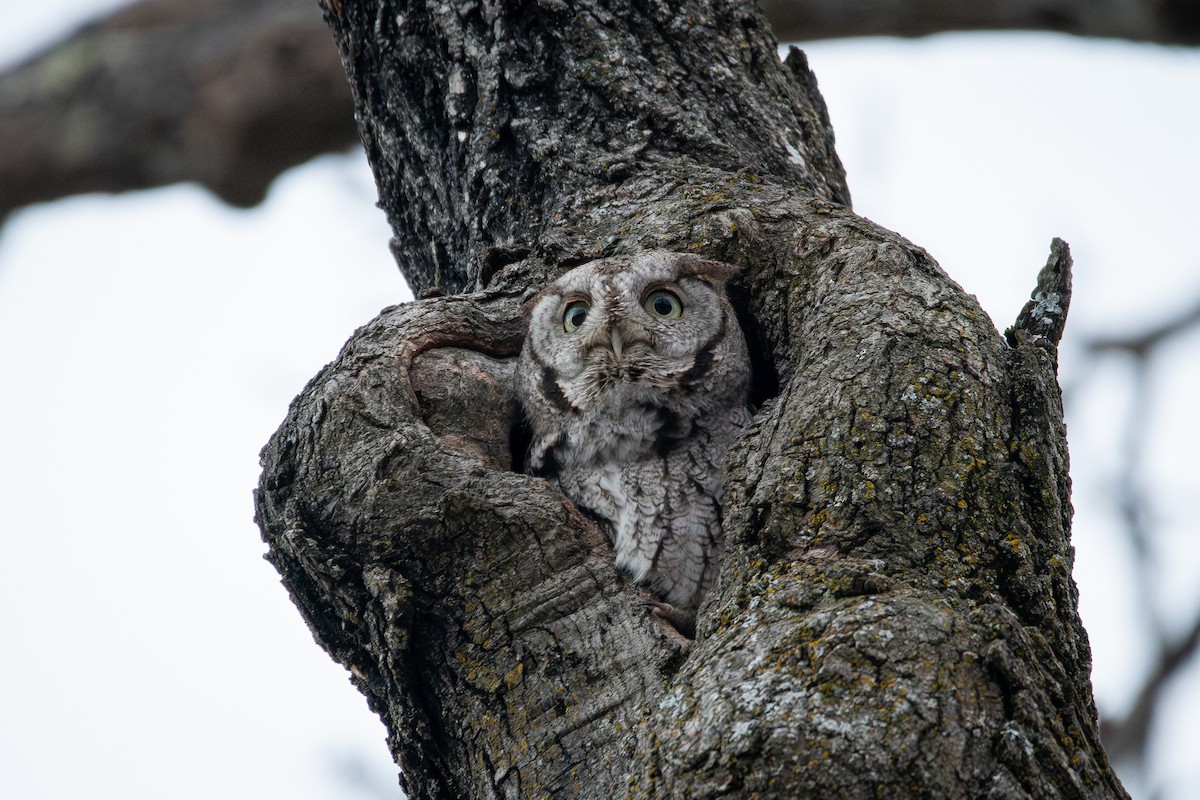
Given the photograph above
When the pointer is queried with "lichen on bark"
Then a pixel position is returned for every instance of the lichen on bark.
(895, 614)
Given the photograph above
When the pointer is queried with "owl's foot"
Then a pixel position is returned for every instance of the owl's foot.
(682, 620)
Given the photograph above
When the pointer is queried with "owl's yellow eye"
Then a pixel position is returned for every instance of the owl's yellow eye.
(664, 304)
(574, 315)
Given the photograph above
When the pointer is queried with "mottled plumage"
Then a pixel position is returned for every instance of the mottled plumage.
(634, 378)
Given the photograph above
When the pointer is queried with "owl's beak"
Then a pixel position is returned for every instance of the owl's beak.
(617, 344)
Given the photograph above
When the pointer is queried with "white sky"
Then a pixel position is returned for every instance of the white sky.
(150, 652)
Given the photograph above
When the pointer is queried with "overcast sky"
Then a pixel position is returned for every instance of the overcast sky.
(150, 344)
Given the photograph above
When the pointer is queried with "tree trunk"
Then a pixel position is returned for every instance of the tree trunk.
(895, 615)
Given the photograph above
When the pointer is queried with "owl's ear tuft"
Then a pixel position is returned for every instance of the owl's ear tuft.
(533, 297)
(714, 273)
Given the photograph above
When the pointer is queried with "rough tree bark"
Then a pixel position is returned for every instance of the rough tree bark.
(895, 615)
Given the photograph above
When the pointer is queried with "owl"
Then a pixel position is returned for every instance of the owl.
(634, 378)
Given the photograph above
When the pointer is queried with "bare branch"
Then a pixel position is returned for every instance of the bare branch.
(1126, 738)
(1140, 344)
(227, 94)
(1170, 22)
(230, 94)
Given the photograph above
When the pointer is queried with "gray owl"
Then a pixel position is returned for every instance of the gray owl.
(634, 378)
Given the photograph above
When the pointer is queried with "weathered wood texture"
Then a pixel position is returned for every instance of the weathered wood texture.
(895, 615)
(492, 129)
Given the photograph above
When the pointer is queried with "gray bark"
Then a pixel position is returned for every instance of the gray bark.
(895, 615)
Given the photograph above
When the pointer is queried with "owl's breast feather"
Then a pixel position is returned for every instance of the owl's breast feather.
(599, 436)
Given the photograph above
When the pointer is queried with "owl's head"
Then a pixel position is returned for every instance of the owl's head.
(654, 328)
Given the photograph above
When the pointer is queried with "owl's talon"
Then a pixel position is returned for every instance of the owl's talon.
(683, 621)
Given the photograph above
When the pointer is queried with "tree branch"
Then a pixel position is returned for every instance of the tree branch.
(229, 94)
(1172, 22)
(221, 92)
(1127, 738)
